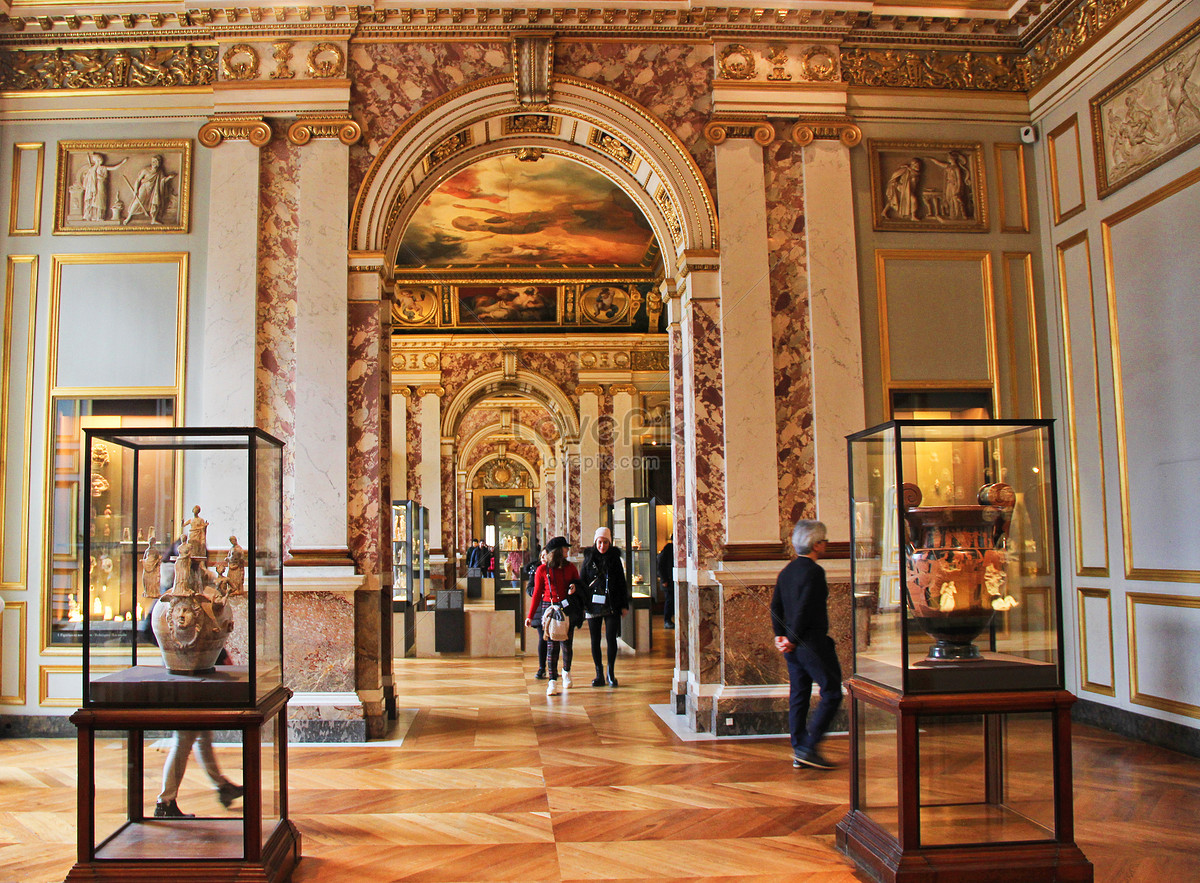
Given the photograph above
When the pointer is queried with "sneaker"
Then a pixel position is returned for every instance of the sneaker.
(812, 759)
(228, 793)
(566, 679)
(552, 688)
(170, 810)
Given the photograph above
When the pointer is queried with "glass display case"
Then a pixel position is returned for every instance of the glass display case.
(634, 529)
(202, 664)
(515, 537)
(956, 556)
(960, 726)
(410, 552)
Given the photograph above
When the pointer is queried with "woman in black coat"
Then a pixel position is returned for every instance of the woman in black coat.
(606, 596)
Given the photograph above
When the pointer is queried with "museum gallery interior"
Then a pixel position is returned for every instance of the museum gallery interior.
(320, 322)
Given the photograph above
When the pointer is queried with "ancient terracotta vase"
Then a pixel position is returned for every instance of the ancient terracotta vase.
(956, 568)
(190, 630)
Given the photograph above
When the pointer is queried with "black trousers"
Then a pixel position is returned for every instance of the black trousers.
(612, 628)
(809, 663)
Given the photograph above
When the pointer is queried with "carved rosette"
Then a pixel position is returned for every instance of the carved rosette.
(342, 127)
(736, 62)
(719, 131)
(218, 129)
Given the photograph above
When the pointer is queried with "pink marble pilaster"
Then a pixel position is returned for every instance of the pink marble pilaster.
(365, 390)
(703, 433)
(574, 529)
(412, 426)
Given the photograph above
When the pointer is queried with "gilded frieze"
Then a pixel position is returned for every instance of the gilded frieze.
(531, 124)
(456, 143)
(1079, 28)
(173, 66)
(736, 62)
(326, 61)
(614, 147)
(282, 56)
(778, 63)
(935, 69)
(239, 62)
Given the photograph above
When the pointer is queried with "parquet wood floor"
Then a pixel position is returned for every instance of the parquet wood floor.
(495, 781)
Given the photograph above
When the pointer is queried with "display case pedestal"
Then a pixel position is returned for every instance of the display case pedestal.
(257, 848)
(916, 833)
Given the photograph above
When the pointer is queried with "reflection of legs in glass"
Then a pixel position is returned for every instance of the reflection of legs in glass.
(176, 765)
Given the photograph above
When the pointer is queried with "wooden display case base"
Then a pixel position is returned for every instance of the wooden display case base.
(279, 859)
(878, 855)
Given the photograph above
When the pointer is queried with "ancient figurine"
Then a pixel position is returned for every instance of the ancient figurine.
(235, 564)
(151, 571)
(197, 534)
(94, 180)
(150, 191)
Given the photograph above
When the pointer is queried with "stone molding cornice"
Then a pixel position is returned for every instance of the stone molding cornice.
(234, 128)
(339, 126)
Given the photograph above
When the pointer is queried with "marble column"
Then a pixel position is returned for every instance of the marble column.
(589, 458)
(228, 357)
(751, 507)
(680, 676)
(838, 408)
(704, 481)
(431, 460)
(624, 474)
(571, 494)
(399, 443)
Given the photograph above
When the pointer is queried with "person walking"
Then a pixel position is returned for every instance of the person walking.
(531, 579)
(666, 579)
(606, 597)
(552, 583)
(800, 616)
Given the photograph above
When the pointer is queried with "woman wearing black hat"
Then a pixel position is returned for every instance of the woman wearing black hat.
(552, 582)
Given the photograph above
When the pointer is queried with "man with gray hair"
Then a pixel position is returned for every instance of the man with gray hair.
(801, 620)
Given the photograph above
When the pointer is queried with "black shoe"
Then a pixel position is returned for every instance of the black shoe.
(598, 681)
(810, 758)
(170, 810)
(612, 680)
(228, 793)
(541, 674)
(668, 625)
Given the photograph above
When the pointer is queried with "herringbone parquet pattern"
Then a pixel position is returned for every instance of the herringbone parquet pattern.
(495, 781)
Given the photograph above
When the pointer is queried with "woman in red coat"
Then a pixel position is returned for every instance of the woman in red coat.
(552, 582)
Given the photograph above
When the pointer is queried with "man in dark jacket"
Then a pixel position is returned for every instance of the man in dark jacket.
(666, 579)
(801, 620)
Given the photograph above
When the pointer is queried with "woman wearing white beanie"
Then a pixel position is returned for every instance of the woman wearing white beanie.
(606, 595)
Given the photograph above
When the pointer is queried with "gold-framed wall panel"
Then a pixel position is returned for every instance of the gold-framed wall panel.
(1024, 260)
(1062, 248)
(1000, 149)
(1061, 213)
(45, 700)
(1132, 600)
(6, 369)
(16, 193)
(1085, 680)
(180, 258)
(18, 609)
(1110, 284)
(56, 392)
(984, 259)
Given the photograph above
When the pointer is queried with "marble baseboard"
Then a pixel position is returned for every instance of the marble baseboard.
(327, 730)
(36, 726)
(1165, 734)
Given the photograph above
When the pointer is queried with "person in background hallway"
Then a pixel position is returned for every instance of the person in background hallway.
(484, 558)
(800, 615)
(473, 554)
(666, 579)
(606, 597)
(552, 582)
(537, 623)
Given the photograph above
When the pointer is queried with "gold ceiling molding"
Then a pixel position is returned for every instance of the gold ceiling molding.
(719, 131)
(113, 68)
(1074, 31)
(650, 360)
(340, 126)
(234, 128)
(959, 70)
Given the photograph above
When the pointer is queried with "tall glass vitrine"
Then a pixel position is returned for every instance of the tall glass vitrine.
(634, 528)
(516, 536)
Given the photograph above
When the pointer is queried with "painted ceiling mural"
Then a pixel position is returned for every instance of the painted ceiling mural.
(502, 213)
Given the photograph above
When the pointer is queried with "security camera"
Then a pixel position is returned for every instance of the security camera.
(1029, 134)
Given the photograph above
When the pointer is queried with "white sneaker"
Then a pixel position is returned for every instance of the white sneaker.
(566, 679)
(552, 688)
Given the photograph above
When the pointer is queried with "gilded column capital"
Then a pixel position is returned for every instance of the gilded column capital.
(589, 388)
(340, 126)
(719, 131)
(234, 127)
(403, 390)
(431, 389)
(808, 130)
(618, 388)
